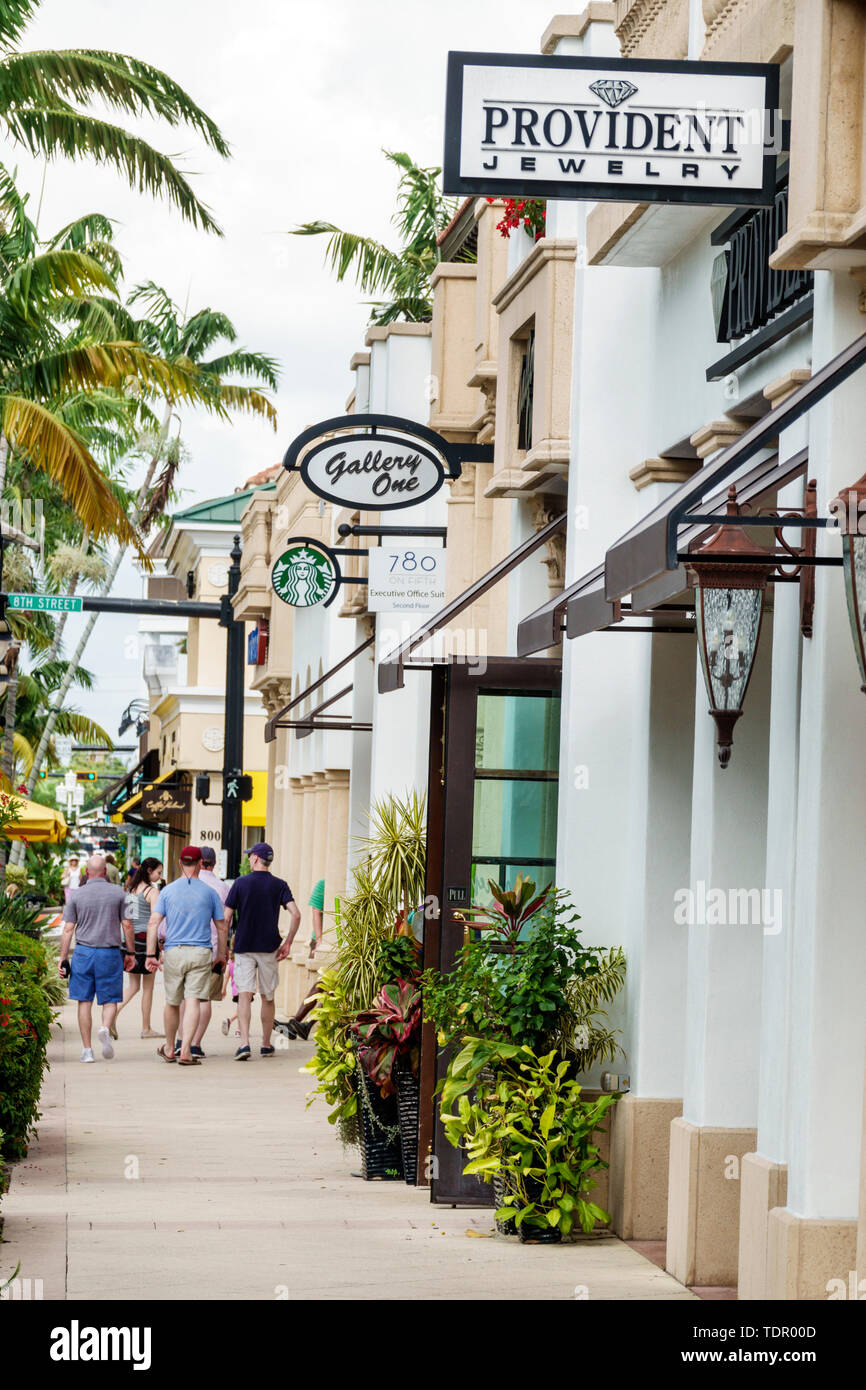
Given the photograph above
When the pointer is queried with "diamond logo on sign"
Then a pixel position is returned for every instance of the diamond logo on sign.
(305, 574)
(613, 90)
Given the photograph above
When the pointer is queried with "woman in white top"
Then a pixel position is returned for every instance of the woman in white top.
(143, 893)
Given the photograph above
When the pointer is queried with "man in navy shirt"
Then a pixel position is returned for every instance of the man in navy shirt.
(257, 898)
(188, 906)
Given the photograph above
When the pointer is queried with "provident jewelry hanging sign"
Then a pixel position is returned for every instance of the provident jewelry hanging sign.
(609, 129)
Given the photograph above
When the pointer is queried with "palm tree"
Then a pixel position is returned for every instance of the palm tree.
(34, 695)
(40, 94)
(185, 345)
(422, 213)
(61, 344)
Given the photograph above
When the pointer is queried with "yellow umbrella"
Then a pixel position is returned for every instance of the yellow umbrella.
(34, 822)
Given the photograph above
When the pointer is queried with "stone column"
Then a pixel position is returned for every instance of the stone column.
(720, 1097)
(763, 1174)
(813, 1239)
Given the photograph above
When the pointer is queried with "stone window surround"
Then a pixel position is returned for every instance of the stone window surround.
(539, 294)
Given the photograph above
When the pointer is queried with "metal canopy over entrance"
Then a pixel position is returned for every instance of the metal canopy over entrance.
(307, 724)
(650, 548)
(585, 607)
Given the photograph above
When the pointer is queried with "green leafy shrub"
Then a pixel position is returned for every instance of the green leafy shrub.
(530, 1127)
(42, 956)
(530, 980)
(333, 1062)
(25, 1025)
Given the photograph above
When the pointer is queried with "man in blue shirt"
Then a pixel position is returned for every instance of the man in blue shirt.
(187, 906)
(257, 898)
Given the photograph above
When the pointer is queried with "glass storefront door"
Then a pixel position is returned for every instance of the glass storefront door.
(498, 806)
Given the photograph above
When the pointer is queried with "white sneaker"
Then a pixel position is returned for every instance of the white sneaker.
(105, 1039)
(225, 1027)
(87, 1055)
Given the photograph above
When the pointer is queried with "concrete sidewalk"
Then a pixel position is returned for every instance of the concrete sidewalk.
(154, 1182)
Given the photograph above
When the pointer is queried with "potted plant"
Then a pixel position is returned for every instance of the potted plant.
(533, 1128)
(529, 981)
(389, 1037)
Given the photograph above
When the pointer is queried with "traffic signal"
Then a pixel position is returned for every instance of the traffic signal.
(202, 786)
(245, 787)
(85, 776)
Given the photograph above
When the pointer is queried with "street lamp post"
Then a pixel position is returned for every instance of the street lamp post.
(233, 754)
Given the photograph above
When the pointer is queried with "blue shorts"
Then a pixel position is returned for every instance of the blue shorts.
(96, 970)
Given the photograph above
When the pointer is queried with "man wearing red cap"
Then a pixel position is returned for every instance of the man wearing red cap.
(257, 898)
(187, 906)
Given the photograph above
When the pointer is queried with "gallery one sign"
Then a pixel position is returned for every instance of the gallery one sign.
(373, 462)
(643, 130)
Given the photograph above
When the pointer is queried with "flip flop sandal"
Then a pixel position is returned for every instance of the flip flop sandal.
(160, 1052)
(188, 1062)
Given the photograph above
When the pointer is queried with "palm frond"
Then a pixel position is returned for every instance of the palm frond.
(121, 82)
(53, 130)
(82, 367)
(37, 432)
(53, 272)
(86, 730)
(243, 363)
(13, 205)
(374, 265)
(14, 17)
(247, 400)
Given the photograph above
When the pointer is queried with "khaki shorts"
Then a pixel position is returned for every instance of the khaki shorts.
(186, 973)
(216, 986)
(263, 964)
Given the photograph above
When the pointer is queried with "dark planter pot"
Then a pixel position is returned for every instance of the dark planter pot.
(381, 1155)
(408, 1105)
(539, 1235)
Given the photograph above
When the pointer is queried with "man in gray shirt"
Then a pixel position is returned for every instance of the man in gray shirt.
(98, 915)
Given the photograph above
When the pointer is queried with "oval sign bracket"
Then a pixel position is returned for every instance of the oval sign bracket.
(374, 462)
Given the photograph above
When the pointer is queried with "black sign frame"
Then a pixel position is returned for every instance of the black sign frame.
(377, 426)
(339, 578)
(453, 183)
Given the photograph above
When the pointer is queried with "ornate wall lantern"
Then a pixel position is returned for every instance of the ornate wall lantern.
(729, 604)
(848, 508)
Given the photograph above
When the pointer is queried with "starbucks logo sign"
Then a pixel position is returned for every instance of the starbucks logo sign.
(307, 573)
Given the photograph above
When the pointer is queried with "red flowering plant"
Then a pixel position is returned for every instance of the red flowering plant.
(528, 213)
(389, 1034)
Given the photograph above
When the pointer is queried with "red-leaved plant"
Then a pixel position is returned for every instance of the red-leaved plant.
(511, 909)
(389, 1033)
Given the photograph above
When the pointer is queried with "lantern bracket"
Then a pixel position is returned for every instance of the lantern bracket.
(794, 563)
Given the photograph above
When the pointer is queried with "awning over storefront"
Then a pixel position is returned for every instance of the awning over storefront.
(649, 549)
(119, 791)
(133, 801)
(392, 668)
(278, 721)
(584, 606)
(36, 822)
(255, 811)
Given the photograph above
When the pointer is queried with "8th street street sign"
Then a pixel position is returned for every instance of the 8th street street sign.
(45, 603)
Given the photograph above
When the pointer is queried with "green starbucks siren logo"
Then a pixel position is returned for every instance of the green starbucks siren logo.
(304, 575)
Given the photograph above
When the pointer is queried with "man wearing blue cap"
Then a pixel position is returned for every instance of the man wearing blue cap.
(256, 898)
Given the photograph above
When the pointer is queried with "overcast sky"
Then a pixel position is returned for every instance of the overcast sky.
(307, 96)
